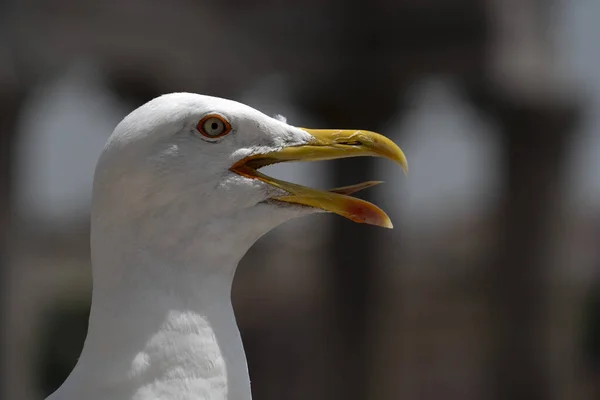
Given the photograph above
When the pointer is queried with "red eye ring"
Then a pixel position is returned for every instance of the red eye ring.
(213, 126)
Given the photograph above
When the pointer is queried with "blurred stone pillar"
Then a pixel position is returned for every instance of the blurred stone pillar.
(354, 101)
(10, 102)
(534, 149)
(535, 126)
(353, 91)
(527, 97)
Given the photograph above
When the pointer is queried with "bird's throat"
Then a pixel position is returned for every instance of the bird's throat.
(158, 342)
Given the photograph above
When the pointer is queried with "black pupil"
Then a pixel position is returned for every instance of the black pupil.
(214, 126)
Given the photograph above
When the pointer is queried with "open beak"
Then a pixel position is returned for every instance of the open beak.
(328, 144)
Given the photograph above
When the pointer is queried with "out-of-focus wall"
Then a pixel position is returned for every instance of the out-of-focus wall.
(75, 68)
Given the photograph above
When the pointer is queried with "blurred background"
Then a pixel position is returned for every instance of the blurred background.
(488, 287)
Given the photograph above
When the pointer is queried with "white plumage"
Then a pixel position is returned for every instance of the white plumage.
(174, 210)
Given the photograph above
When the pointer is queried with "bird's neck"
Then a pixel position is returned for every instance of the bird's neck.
(162, 324)
(158, 343)
(167, 343)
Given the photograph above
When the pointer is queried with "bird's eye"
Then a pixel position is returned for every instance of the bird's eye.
(213, 126)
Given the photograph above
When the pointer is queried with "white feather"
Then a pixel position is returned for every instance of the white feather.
(281, 118)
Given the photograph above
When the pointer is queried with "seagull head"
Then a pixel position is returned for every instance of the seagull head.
(189, 159)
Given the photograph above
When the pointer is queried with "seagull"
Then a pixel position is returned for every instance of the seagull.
(177, 201)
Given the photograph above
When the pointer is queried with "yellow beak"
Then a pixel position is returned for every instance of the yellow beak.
(329, 144)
